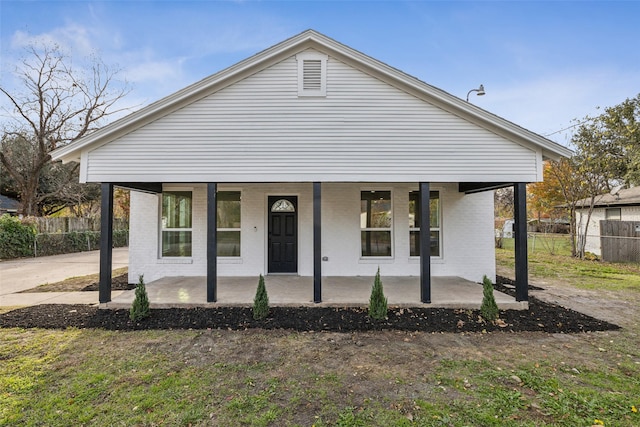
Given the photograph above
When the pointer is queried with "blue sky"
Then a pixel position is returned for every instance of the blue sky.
(543, 64)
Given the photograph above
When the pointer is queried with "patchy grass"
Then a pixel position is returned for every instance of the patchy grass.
(584, 274)
(274, 378)
(27, 357)
(277, 377)
(549, 243)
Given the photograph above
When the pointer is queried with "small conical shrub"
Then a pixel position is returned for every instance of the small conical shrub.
(140, 308)
(261, 301)
(489, 308)
(377, 301)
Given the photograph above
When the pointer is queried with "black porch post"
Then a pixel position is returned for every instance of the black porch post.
(520, 217)
(106, 242)
(317, 242)
(212, 242)
(425, 244)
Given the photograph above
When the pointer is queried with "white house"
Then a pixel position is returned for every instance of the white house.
(622, 206)
(314, 159)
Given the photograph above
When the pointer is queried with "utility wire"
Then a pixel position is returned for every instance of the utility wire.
(567, 128)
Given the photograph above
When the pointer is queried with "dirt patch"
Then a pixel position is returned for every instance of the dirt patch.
(616, 307)
(119, 282)
(541, 317)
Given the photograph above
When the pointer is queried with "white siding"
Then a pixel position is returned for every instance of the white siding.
(628, 213)
(467, 233)
(258, 130)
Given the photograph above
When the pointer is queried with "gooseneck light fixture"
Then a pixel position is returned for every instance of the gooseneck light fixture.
(480, 91)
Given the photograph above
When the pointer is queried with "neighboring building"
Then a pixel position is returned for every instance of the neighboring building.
(8, 205)
(314, 159)
(622, 207)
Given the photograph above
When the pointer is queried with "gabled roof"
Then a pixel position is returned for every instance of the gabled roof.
(7, 204)
(314, 40)
(626, 197)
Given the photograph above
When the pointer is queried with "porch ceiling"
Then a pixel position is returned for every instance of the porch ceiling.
(284, 290)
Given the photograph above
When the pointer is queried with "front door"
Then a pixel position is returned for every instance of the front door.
(283, 234)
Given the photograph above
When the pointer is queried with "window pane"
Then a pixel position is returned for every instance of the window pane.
(375, 209)
(176, 243)
(376, 243)
(176, 209)
(613, 214)
(414, 209)
(228, 243)
(228, 209)
(434, 210)
(435, 243)
(414, 242)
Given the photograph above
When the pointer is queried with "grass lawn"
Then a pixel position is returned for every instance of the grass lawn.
(278, 378)
(549, 258)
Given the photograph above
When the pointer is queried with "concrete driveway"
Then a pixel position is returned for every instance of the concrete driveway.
(27, 273)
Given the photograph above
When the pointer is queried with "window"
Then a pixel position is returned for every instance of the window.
(176, 224)
(613, 214)
(283, 205)
(375, 223)
(414, 222)
(312, 73)
(228, 212)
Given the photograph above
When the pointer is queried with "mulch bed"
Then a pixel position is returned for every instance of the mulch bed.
(541, 316)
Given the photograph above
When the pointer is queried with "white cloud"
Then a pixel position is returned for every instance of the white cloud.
(72, 39)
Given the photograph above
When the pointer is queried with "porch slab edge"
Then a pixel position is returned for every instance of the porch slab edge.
(518, 305)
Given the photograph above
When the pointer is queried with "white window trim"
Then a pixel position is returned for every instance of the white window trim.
(366, 259)
(313, 56)
(174, 259)
(439, 229)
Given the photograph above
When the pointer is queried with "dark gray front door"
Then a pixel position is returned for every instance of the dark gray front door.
(283, 234)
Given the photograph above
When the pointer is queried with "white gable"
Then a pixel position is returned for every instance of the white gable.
(260, 129)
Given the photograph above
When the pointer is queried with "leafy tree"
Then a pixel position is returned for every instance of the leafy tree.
(545, 197)
(607, 152)
(122, 201)
(565, 173)
(503, 202)
(56, 105)
(618, 131)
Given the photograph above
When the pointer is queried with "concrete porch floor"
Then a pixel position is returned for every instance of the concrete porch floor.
(285, 290)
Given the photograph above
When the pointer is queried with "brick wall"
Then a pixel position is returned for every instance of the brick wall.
(467, 233)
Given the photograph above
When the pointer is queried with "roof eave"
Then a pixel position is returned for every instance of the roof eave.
(200, 89)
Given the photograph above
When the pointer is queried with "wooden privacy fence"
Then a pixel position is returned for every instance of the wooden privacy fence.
(620, 241)
(69, 224)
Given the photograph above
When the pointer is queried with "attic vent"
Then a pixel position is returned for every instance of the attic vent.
(312, 74)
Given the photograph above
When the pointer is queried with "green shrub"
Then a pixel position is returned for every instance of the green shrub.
(377, 301)
(140, 308)
(489, 308)
(75, 241)
(16, 237)
(261, 301)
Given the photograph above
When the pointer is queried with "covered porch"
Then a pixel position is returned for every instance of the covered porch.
(293, 290)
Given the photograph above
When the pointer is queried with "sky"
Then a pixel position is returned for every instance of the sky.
(543, 64)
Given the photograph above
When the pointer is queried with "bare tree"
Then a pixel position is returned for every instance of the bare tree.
(56, 104)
